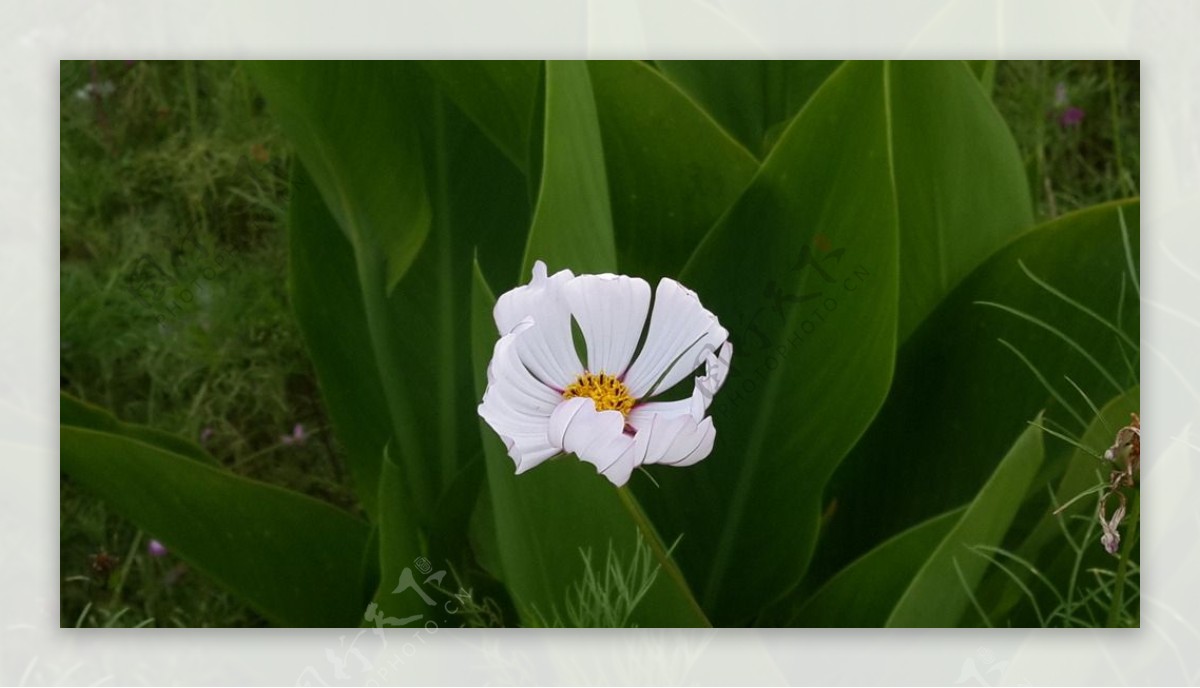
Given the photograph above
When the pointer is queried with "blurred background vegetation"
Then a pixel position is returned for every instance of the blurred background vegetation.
(178, 167)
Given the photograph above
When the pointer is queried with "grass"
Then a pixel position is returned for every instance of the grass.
(608, 593)
(1072, 166)
(179, 166)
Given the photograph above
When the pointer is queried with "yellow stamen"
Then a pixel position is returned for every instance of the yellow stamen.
(606, 391)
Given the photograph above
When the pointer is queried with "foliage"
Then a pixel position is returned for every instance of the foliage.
(865, 230)
(609, 592)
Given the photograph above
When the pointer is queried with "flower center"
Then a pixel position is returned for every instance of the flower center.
(606, 391)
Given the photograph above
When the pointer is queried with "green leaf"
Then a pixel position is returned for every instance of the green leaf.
(807, 374)
(399, 547)
(498, 95)
(354, 126)
(1079, 471)
(671, 170)
(572, 224)
(862, 594)
(547, 518)
(479, 203)
(327, 300)
(750, 97)
(985, 72)
(240, 532)
(941, 591)
(394, 366)
(80, 414)
(964, 382)
(962, 196)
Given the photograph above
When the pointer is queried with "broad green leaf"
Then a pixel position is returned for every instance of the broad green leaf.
(750, 97)
(294, 559)
(479, 206)
(572, 223)
(803, 272)
(941, 591)
(965, 363)
(962, 190)
(864, 593)
(498, 95)
(671, 170)
(547, 518)
(394, 366)
(357, 129)
(80, 414)
(354, 126)
(327, 301)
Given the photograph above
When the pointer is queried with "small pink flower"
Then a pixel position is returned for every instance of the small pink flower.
(205, 435)
(1071, 117)
(156, 549)
(297, 438)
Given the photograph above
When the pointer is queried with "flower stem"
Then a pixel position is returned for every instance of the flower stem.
(1131, 536)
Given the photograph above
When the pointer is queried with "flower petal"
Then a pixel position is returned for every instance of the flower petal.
(675, 440)
(676, 432)
(611, 312)
(682, 334)
(716, 369)
(643, 414)
(549, 349)
(516, 404)
(596, 437)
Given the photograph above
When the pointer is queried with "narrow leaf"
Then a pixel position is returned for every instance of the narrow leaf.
(862, 594)
(327, 299)
(354, 125)
(955, 360)
(752, 99)
(573, 221)
(671, 170)
(498, 95)
(941, 591)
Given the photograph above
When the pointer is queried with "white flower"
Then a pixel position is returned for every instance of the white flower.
(543, 401)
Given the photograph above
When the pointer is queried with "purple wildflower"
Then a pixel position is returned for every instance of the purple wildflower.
(156, 549)
(205, 435)
(1071, 117)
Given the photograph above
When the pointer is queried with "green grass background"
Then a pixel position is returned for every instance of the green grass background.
(179, 163)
